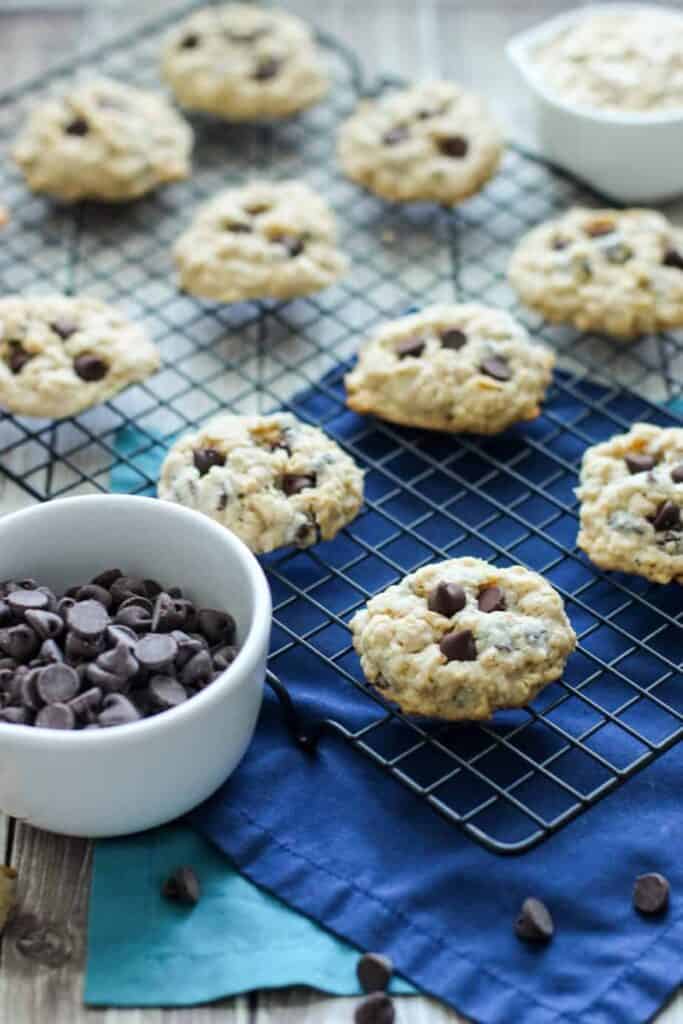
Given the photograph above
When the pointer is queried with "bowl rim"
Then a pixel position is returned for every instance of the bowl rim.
(249, 653)
(518, 49)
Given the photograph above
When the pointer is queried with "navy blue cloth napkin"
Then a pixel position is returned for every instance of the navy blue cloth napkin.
(334, 837)
(339, 840)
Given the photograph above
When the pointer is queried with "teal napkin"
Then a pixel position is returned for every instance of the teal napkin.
(145, 951)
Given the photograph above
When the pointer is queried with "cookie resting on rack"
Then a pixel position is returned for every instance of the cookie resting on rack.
(452, 367)
(631, 493)
(460, 639)
(619, 272)
(103, 140)
(61, 355)
(244, 63)
(272, 480)
(433, 141)
(262, 240)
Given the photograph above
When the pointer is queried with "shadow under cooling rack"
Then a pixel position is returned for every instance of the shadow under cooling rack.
(509, 499)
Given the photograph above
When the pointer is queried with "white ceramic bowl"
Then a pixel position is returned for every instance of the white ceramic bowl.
(630, 157)
(131, 777)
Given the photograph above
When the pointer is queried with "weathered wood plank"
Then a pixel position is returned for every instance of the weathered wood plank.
(301, 1006)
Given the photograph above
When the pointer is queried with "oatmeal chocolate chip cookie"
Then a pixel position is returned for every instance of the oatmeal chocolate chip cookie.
(461, 638)
(617, 60)
(244, 63)
(631, 493)
(615, 271)
(272, 480)
(263, 240)
(60, 355)
(433, 141)
(455, 368)
(103, 140)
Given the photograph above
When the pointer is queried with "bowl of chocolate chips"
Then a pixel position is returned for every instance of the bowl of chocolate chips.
(133, 643)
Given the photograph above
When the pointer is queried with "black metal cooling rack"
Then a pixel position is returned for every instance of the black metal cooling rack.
(513, 782)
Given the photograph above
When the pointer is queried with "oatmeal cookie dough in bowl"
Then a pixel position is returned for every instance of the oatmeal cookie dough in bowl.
(244, 62)
(615, 271)
(458, 368)
(103, 140)
(261, 240)
(462, 638)
(433, 141)
(272, 480)
(631, 493)
(60, 355)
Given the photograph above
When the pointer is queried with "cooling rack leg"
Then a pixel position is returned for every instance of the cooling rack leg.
(305, 737)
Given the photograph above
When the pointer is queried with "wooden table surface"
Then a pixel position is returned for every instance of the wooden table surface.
(409, 37)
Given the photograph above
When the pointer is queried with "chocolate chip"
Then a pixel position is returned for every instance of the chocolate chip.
(639, 463)
(79, 648)
(117, 710)
(491, 599)
(266, 69)
(667, 516)
(217, 626)
(105, 681)
(447, 599)
(395, 136)
(165, 616)
(86, 704)
(18, 357)
(137, 601)
(197, 670)
(293, 244)
(57, 683)
(224, 656)
(15, 715)
(672, 258)
(152, 588)
(534, 923)
(453, 339)
(294, 483)
(374, 972)
(618, 253)
(156, 650)
(21, 601)
(459, 646)
(107, 578)
(496, 367)
(79, 126)
(47, 625)
(205, 458)
(90, 368)
(134, 617)
(20, 642)
(166, 692)
(88, 618)
(453, 145)
(64, 327)
(93, 592)
(410, 347)
(677, 474)
(56, 716)
(377, 1008)
(28, 691)
(120, 661)
(118, 634)
(125, 587)
(651, 893)
(50, 650)
(182, 886)
(189, 41)
(559, 243)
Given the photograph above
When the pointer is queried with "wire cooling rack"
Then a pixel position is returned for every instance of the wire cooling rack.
(510, 783)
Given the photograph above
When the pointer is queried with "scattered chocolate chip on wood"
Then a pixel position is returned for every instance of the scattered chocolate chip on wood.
(182, 886)
(107, 653)
(374, 972)
(377, 1008)
(651, 893)
(534, 923)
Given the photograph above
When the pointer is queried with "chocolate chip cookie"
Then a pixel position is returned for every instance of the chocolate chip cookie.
(433, 141)
(244, 63)
(631, 493)
(263, 240)
(615, 271)
(103, 140)
(61, 355)
(460, 639)
(452, 367)
(272, 480)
